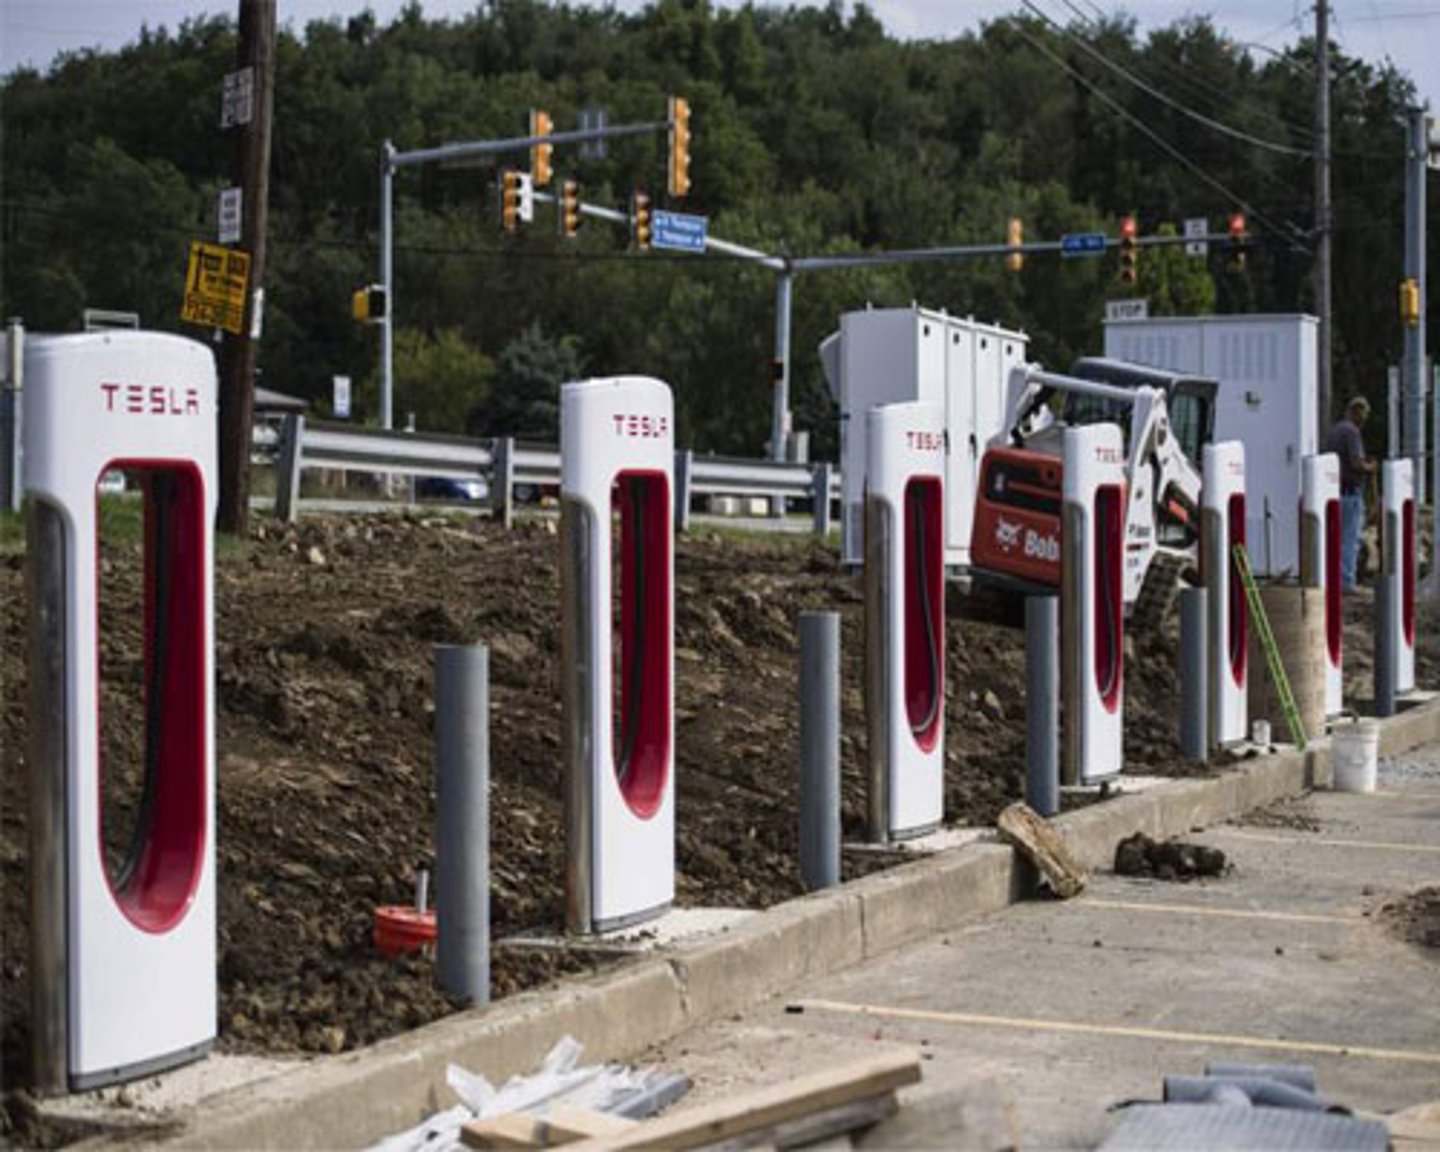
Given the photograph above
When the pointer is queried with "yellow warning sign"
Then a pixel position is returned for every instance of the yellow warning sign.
(215, 287)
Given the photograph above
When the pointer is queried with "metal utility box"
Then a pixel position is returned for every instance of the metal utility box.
(890, 355)
(1267, 370)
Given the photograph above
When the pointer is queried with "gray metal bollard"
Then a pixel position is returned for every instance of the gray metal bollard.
(502, 480)
(819, 749)
(1194, 672)
(287, 468)
(820, 487)
(1042, 704)
(1387, 613)
(462, 807)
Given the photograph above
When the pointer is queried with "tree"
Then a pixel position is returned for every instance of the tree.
(525, 400)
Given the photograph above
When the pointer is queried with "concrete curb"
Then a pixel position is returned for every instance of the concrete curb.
(362, 1096)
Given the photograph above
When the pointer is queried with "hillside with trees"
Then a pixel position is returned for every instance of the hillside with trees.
(814, 132)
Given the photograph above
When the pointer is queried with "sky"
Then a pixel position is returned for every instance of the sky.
(1406, 32)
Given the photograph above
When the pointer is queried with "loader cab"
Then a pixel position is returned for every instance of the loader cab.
(1190, 400)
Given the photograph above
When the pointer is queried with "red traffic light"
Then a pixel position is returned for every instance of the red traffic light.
(1237, 226)
(1129, 229)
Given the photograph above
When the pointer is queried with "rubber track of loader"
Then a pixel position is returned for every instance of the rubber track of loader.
(1159, 592)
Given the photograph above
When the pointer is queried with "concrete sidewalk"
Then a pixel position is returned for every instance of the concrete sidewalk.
(1047, 1013)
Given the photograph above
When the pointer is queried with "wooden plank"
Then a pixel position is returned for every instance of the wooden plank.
(769, 1106)
(828, 1125)
(1029, 832)
(559, 1126)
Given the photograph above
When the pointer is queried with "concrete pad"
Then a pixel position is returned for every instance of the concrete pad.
(361, 1096)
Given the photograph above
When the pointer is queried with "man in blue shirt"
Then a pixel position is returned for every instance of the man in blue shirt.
(1347, 443)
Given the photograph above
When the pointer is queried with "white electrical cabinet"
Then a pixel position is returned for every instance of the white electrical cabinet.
(1267, 370)
(891, 355)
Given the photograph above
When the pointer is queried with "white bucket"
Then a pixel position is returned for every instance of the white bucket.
(1354, 755)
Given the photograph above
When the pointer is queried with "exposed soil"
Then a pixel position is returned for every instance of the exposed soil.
(324, 666)
(1413, 918)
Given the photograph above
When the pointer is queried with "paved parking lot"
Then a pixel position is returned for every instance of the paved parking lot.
(1050, 1012)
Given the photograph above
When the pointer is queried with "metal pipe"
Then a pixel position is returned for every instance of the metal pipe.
(1417, 155)
(1042, 704)
(577, 729)
(48, 754)
(780, 414)
(1194, 675)
(462, 817)
(387, 281)
(879, 539)
(1386, 620)
(12, 452)
(1072, 674)
(1392, 412)
(819, 749)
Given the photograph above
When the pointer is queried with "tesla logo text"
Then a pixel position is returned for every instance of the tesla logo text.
(151, 399)
(1237, 468)
(640, 426)
(926, 441)
(1109, 456)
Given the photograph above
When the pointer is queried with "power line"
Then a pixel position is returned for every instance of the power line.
(1183, 109)
(1287, 229)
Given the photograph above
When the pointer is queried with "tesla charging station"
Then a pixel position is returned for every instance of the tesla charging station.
(1397, 498)
(1320, 562)
(905, 618)
(122, 957)
(1222, 527)
(1092, 565)
(617, 577)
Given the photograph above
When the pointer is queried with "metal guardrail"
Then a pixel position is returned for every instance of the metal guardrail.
(505, 463)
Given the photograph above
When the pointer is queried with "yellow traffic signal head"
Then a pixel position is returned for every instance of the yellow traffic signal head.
(510, 200)
(1014, 237)
(679, 169)
(640, 219)
(569, 208)
(540, 154)
(1129, 250)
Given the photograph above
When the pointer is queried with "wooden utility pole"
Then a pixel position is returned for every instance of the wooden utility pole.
(237, 359)
(1323, 230)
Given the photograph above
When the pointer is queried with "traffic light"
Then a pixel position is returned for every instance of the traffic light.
(367, 304)
(1238, 240)
(1129, 250)
(679, 115)
(640, 219)
(1410, 302)
(510, 200)
(569, 208)
(540, 170)
(1014, 237)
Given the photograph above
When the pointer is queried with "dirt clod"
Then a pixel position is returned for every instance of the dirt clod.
(1138, 855)
(1414, 917)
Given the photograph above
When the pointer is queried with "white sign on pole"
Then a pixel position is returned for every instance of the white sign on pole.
(237, 98)
(1127, 310)
(257, 313)
(231, 210)
(341, 401)
(1196, 229)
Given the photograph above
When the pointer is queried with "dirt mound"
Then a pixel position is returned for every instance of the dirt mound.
(324, 670)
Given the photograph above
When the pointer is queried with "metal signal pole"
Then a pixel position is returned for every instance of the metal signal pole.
(237, 360)
(1322, 208)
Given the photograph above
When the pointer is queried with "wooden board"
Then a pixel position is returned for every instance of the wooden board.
(770, 1106)
(1029, 832)
(559, 1126)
